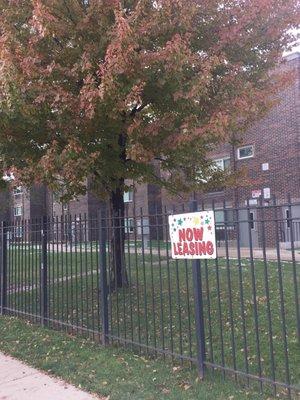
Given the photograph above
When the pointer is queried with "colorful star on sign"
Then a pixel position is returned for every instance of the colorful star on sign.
(207, 221)
(196, 221)
(180, 222)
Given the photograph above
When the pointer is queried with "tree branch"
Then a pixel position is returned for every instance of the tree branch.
(69, 12)
(137, 109)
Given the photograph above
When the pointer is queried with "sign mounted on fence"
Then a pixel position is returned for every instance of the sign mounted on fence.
(193, 235)
(256, 194)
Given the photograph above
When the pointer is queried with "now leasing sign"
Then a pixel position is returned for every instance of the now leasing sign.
(193, 235)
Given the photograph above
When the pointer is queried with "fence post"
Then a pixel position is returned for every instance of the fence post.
(44, 273)
(103, 277)
(3, 268)
(199, 319)
(290, 220)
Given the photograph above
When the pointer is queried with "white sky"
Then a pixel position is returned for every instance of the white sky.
(296, 48)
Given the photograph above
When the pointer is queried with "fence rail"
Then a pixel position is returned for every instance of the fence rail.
(238, 314)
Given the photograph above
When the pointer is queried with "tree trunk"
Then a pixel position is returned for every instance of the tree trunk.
(118, 272)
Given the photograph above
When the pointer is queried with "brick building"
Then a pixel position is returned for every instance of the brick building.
(5, 205)
(19, 206)
(27, 204)
(270, 153)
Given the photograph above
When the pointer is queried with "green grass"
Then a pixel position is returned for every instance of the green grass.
(110, 371)
(158, 308)
(25, 262)
(172, 309)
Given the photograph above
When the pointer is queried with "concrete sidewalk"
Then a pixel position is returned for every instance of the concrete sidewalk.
(20, 382)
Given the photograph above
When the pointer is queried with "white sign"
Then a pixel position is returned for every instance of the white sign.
(193, 235)
(265, 167)
(267, 193)
(256, 193)
(252, 202)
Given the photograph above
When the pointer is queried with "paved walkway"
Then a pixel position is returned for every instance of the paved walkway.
(271, 254)
(20, 382)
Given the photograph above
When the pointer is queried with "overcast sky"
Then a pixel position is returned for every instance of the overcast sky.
(296, 47)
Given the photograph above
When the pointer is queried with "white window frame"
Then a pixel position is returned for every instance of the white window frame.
(17, 191)
(18, 231)
(129, 225)
(217, 211)
(222, 160)
(128, 196)
(16, 213)
(245, 147)
(229, 222)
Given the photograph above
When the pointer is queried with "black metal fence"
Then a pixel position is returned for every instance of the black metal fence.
(237, 315)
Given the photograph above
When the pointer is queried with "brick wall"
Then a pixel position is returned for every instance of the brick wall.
(5, 200)
(276, 141)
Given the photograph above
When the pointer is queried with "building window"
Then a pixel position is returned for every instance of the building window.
(245, 152)
(223, 163)
(129, 225)
(128, 196)
(18, 231)
(18, 211)
(224, 215)
(17, 191)
(65, 207)
(219, 217)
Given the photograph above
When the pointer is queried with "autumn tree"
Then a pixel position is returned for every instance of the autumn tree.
(102, 88)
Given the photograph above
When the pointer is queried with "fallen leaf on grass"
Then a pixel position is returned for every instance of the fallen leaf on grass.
(175, 369)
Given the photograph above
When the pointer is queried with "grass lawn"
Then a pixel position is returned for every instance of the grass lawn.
(110, 371)
(25, 261)
(158, 307)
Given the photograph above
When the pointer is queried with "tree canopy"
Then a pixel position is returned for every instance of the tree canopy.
(101, 88)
